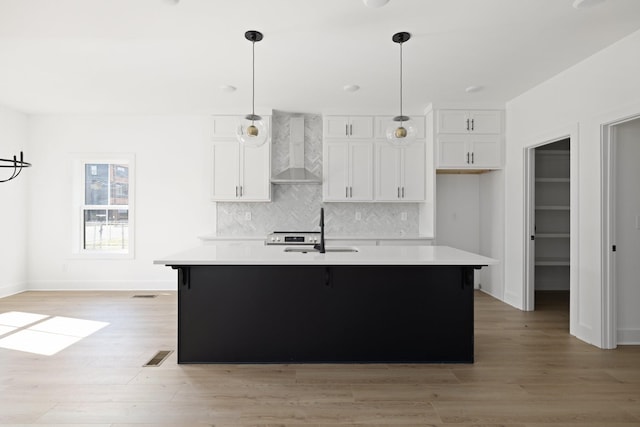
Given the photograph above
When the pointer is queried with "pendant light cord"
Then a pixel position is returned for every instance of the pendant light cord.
(253, 80)
(401, 83)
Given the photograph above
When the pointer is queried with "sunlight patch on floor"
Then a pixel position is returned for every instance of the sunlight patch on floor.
(43, 334)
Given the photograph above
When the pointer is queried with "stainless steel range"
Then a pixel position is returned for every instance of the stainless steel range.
(293, 238)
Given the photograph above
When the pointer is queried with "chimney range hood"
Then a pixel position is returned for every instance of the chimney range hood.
(296, 173)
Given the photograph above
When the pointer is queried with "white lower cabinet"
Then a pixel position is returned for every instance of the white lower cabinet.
(400, 172)
(465, 151)
(347, 171)
(241, 173)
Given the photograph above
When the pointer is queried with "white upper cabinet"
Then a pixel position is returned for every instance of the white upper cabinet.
(470, 121)
(351, 127)
(469, 139)
(400, 172)
(347, 171)
(239, 173)
(464, 152)
(383, 122)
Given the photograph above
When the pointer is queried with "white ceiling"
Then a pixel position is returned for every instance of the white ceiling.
(149, 56)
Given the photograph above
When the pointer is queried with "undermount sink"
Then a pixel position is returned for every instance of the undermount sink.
(305, 250)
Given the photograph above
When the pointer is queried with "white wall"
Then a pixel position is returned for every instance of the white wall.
(13, 204)
(599, 89)
(458, 211)
(172, 205)
(492, 231)
(469, 217)
(627, 147)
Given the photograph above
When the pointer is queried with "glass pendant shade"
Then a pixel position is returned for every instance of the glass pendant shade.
(401, 131)
(252, 131)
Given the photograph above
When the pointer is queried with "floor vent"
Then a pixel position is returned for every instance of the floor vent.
(144, 296)
(158, 358)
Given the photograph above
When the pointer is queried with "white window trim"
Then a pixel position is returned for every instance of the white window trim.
(78, 205)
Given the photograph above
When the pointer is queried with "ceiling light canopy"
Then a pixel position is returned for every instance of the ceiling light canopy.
(375, 3)
(253, 131)
(351, 88)
(401, 131)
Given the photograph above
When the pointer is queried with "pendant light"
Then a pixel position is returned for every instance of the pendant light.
(253, 131)
(401, 131)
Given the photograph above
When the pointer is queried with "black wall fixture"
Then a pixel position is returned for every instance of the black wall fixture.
(15, 164)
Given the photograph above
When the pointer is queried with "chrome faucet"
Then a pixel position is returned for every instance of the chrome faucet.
(320, 247)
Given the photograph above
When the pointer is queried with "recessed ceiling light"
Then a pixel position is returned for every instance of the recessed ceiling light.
(227, 88)
(583, 4)
(172, 2)
(471, 89)
(375, 3)
(351, 88)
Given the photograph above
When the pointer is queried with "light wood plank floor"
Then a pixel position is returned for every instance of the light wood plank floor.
(529, 372)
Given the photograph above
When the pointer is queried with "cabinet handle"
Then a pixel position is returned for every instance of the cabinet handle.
(467, 158)
(473, 124)
(472, 161)
(467, 124)
(346, 192)
(241, 191)
(351, 130)
(403, 192)
(351, 192)
(398, 192)
(346, 130)
(236, 191)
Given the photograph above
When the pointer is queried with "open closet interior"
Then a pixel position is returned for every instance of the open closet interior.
(552, 213)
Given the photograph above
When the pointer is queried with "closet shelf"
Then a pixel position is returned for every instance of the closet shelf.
(552, 208)
(553, 235)
(552, 262)
(567, 180)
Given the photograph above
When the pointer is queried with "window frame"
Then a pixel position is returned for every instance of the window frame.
(80, 207)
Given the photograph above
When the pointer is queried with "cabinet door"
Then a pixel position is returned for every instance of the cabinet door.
(452, 151)
(361, 127)
(255, 173)
(453, 121)
(413, 173)
(336, 127)
(486, 152)
(335, 171)
(361, 171)
(387, 172)
(486, 121)
(226, 171)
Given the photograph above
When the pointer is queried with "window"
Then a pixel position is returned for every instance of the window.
(105, 205)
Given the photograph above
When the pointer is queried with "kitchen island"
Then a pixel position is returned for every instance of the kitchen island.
(381, 304)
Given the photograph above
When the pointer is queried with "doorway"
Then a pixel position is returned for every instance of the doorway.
(621, 216)
(551, 226)
(550, 232)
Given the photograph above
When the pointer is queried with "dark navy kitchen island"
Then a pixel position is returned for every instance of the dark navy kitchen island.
(325, 308)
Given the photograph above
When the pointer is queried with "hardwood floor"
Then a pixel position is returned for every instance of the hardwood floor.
(529, 372)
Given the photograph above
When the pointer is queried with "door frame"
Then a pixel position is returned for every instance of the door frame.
(608, 230)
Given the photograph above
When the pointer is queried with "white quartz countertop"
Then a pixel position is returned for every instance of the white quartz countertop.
(228, 254)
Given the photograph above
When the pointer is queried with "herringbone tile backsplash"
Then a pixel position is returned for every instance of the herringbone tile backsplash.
(296, 207)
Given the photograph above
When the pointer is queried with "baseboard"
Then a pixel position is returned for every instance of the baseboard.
(102, 285)
(12, 289)
(513, 300)
(628, 336)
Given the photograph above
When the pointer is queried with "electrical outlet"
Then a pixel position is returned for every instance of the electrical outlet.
(247, 216)
(403, 216)
(358, 216)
